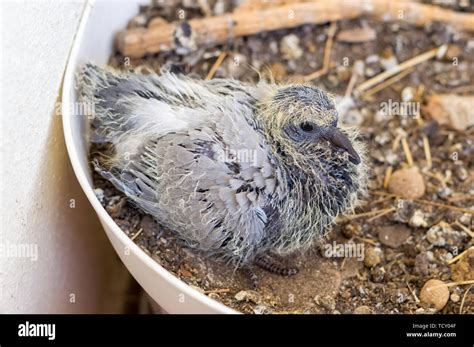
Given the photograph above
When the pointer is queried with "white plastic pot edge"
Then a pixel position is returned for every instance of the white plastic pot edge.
(67, 100)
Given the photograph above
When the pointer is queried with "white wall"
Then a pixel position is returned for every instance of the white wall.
(42, 204)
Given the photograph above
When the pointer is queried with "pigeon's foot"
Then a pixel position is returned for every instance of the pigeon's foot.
(270, 264)
(249, 270)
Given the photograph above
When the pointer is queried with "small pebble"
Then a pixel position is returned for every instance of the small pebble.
(149, 226)
(462, 173)
(248, 296)
(435, 293)
(383, 138)
(452, 52)
(214, 296)
(407, 183)
(350, 230)
(465, 219)
(278, 71)
(273, 47)
(185, 39)
(389, 63)
(359, 67)
(346, 294)
(438, 234)
(262, 309)
(114, 206)
(408, 94)
(431, 257)
(418, 219)
(391, 157)
(399, 297)
(422, 264)
(444, 193)
(372, 256)
(326, 301)
(199, 289)
(290, 47)
(370, 72)
(393, 235)
(373, 58)
(236, 65)
(377, 274)
(343, 73)
(454, 297)
(99, 193)
(363, 310)
(463, 269)
(353, 117)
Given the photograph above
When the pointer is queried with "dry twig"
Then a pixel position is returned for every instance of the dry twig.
(387, 83)
(383, 213)
(426, 202)
(136, 234)
(406, 149)
(400, 67)
(388, 175)
(459, 256)
(327, 55)
(160, 36)
(426, 148)
(464, 299)
(216, 65)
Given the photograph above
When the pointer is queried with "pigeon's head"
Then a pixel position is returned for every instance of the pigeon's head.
(302, 127)
(322, 162)
(305, 121)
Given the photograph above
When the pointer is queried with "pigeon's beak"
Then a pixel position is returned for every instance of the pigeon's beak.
(340, 140)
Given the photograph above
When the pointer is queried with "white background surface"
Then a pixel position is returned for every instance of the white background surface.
(37, 185)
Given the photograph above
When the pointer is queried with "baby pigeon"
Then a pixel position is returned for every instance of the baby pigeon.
(238, 171)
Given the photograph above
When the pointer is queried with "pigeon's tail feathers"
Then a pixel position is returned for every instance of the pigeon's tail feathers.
(136, 185)
(109, 94)
(129, 108)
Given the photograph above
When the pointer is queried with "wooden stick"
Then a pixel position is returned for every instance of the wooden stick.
(216, 65)
(366, 240)
(396, 142)
(466, 230)
(366, 214)
(464, 299)
(387, 198)
(460, 209)
(217, 291)
(387, 83)
(136, 234)
(351, 84)
(460, 283)
(383, 213)
(400, 67)
(459, 256)
(137, 42)
(412, 293)
(249, 5)
(406, 149)
(427, 202)
(327, 55)
(388, 175)
(426, 147)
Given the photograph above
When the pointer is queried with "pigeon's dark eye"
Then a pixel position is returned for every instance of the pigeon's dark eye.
(307, 127)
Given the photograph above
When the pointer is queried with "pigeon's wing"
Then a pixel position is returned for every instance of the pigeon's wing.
(210, 184)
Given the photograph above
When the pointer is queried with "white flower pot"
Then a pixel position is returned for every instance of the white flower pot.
(101, 20)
